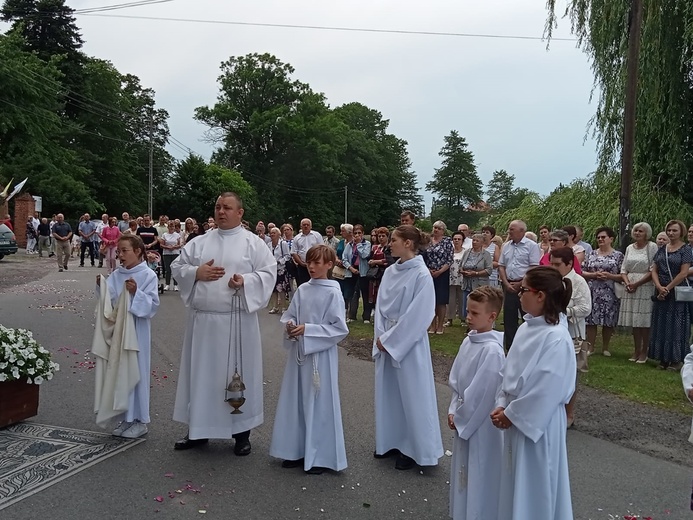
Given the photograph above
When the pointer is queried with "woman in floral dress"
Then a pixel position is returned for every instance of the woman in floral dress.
(602, 269)
(670, 319)
(636, 302)
(439, 257)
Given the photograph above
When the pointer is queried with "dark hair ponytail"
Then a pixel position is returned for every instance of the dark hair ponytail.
(558, 291)
(419, 239)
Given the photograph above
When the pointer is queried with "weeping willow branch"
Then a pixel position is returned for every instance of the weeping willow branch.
(664, 129)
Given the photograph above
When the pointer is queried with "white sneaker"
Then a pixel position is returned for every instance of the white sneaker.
(166, 287)
(366, 322)
(175, 288)
(135, 431)
(122, 426)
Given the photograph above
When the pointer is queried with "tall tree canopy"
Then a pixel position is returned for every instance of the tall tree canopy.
(663, 144)
(77, 127)
(501, 193)
(456, 183)
(300, 154)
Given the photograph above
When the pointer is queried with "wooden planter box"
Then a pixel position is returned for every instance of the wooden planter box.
(18, 401)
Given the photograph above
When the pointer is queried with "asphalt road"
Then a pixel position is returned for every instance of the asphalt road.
(608, 481)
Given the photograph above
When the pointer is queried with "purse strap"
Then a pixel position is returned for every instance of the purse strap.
(666, 253)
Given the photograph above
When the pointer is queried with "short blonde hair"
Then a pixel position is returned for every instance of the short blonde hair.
(440, 224)
(645, 227)
(531, 235)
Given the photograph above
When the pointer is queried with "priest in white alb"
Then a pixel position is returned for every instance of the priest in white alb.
(212, 268)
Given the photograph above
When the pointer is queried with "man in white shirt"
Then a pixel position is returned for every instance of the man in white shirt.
(518, 255)
(306, 239)
(464, 229)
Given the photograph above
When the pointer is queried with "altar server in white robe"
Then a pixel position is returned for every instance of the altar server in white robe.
(474, 380)
(140, 281)
(406, 410)
(308, 428)
(212, 268)
(538, 381)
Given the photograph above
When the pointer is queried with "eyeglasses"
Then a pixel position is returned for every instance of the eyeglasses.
(602, 237)
(555, 240)
(524, 289)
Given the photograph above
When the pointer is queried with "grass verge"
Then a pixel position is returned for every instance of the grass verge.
(640, 383)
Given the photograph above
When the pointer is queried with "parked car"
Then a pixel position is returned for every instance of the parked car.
(8, 244)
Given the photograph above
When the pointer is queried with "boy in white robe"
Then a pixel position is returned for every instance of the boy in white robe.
(406, 409)
(474, 380)
(538, 381)
(308, 428)
(134, 276)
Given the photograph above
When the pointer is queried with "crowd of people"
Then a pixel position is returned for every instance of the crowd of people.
(513, 392)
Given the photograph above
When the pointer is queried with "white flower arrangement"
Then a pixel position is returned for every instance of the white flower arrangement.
(22, 357)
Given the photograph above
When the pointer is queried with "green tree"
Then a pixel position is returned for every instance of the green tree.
(501, 193)
(195, 185)
(32, 134)
(663, 147)
(593, 202)
(456, 183)
(296, 151)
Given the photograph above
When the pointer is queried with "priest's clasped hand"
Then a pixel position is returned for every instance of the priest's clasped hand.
(236, 281)
(207, 273)
(380, 345)
(451, 421)
(499, 419)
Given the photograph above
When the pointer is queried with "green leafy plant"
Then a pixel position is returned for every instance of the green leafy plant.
(22, 357)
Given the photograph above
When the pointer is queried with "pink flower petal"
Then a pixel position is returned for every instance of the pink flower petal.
(159, 499)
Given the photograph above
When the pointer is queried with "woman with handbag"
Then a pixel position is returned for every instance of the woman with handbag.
(381, 257)
(636, 302)
(563, 259)
(670, 312)
(282, 254)
(355, 260)
(456, 300)
(602, 270)
(475, 267)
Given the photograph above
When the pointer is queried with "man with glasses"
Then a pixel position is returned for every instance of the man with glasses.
(464, 229)
(518, 255)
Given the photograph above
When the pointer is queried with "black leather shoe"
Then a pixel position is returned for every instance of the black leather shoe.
(404, 462)
(315, 470)
(186, 443)
(386, 455)
(292, 463)
(242, 447)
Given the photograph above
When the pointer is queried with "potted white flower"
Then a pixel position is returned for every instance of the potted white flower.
(24, 365)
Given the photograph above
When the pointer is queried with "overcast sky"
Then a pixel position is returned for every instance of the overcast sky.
(520, 107)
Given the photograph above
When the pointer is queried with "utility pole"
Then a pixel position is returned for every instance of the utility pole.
(151, 167)
(628, 151)
(345, 205)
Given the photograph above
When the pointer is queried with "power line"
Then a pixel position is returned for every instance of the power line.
(114, 7)
(334, 28)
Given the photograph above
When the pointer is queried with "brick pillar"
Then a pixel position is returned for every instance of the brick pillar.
(24, 206)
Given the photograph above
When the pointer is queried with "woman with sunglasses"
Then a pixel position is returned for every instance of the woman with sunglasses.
(559, 238)
(602, 270)
(538, 381)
